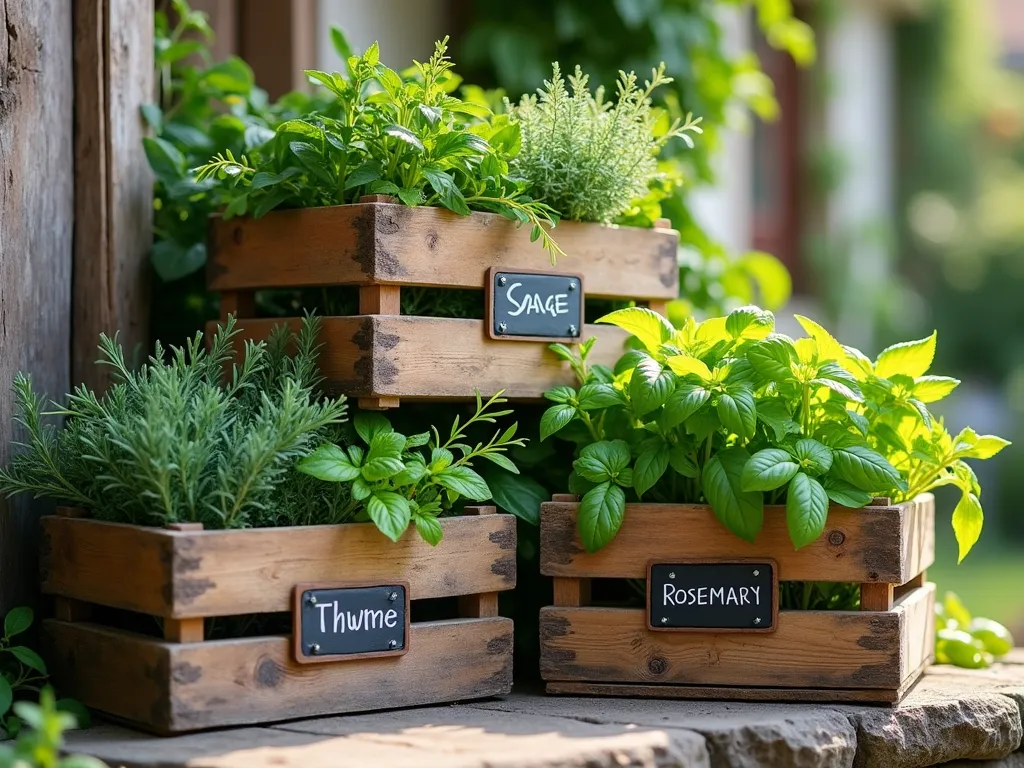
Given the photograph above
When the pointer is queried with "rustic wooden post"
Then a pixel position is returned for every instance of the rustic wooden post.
(113, 78)
(36, 198)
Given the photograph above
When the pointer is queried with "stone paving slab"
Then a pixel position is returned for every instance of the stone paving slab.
(951, 715)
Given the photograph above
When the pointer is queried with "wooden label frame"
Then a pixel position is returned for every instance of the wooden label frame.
(489, 308)
(302, 658)
(716, 561)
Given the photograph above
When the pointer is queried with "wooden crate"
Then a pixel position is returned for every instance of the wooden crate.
(872, 656)
(183, 683)
(380, 356)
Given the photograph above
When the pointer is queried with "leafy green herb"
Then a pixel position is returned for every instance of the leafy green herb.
(40, 743)
(730, 413)
(589, 158)
(397, 480)
(387, 133)
(174, 441)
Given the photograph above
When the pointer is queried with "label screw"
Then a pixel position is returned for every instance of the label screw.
(311, 599)
(314, 648)
(393, 644)
(393, 596)
(502, 280)
(664, 620)
(572, 286)
(672, 575)
(501, 327)
(757, 573)
(572, 330)
(757, 621)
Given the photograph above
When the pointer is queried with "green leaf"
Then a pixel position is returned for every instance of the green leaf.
(773, 358)
(767, 470)
(603, 461)
(447, 190)
(738, 412)
(518, 494)
(685, 365)
(846, 495)
(429, 529)
(681, 462)
(404, 134)
(648, 326)
(417, 440)
(381, 468)
(776, 415)
(600, 515)
(390, 512)
(164, 158)
(154, 117)
(385, 444)
(312, 160)
(749, 322)
(814, 458)
(29, 658)
(18, 620)
(561, 394)
(413, 472)
(366, 173)
(911, 358)
(806, 510)
(360, 489)
(502, 461)
(465, 482)
(968, 520)
(440, 458)
(172, 261)
(650, 386)
(554, 418)
(368, 424)
(682, 404)
(931, 389)
(866, 469)
(593, 397)
(985, 447)
(742, 512)
(828, 347)
(649, 467)
(6, 695)
(77, 710)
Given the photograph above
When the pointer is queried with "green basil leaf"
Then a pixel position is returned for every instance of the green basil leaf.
(554, 418)
(930, 389)
(774, 413)
(593, 397)
(846, 495)
(17, 621)
(579, 484)
(600, 515)
(312, 160)
(651, 328)
(440, 458)
(738, 412)
(649, 467)
(465, 482)
(381, 468)
(968, 519)
(806, 510)
(329, 463)
(561, 394)
(414, 471)
(165, 159)
(681, 462)
(386, 444)
(650, 386)
(685, 401)
(368, 423)
(502, 461)
(428, 528)
(82, 717)
(742, 512)
(29, 658)
(866, 469)
(603, 461)
(911, 358)
(360, 489)
(840, 388)
(404, 134)
(518, 494)
(767, 470)
(773, 358)
(390, 512)
(750, 323)
(447, 190)
(366, 173)
(985, 447)
(814, 458)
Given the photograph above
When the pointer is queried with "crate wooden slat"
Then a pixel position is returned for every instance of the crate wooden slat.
(810, 649)
(178, 687)
(415, 357)
(872, 655)
(184, 574)
(384, 243)
(889, 544)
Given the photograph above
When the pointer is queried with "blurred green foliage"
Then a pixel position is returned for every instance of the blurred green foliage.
(513, 46)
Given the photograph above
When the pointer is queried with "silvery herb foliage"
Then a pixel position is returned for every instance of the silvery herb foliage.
(175, 440)
(401, 135)
(590, 158)
(730, 413)
(398, 480)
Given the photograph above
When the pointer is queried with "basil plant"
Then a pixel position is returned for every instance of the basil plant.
(729, 413)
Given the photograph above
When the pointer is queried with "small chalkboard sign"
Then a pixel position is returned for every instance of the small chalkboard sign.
(337, 622)
(527, 305)
(703, 595)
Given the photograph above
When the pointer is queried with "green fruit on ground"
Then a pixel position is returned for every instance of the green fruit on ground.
(957, 647)
(996, 638)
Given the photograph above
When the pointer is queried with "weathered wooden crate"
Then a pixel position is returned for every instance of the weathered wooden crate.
(183, 683)
(380, 356)
(873, 656)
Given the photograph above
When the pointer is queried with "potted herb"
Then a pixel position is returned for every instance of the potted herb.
(723, 439)
(191, 509)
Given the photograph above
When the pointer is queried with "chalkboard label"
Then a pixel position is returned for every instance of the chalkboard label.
(534, 306)
(335, 622)
(731, 596)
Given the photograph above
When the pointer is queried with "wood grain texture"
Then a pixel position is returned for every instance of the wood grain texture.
(113, 48)
(570, 592)
(172, 688)
(224, 573)
(183, 630)
(384, 243)
(36, 217)
(876, 597)
(810, 649)
(874, 544)
(367, 356)
(916, 609)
